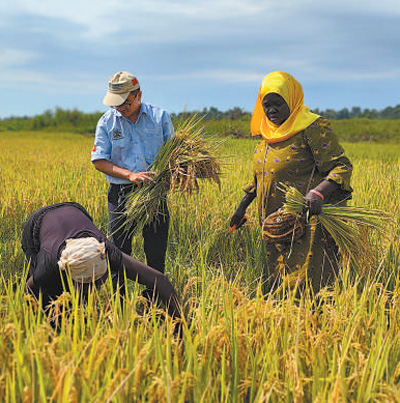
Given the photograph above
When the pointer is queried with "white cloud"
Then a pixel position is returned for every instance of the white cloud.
(217, 9)
(82, 11)
(91, 15)
(72, 47)
(18, 77)
(11, 58)
(301, 69)
(15, 57)
(163, 20)
(219, 75)
(373, 7)
(353, 75)
(100, 18)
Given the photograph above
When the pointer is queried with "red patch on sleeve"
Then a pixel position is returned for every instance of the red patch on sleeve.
(135, 81)
(94, 148)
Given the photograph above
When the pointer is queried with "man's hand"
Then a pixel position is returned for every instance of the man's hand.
(140, 178)
(107, 167)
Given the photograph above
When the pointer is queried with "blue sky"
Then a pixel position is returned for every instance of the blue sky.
(190, 54)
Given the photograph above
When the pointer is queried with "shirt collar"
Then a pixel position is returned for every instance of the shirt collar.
(143, 109)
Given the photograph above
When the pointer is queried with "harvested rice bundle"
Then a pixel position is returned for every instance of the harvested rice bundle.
(347, 225)
(184, 159)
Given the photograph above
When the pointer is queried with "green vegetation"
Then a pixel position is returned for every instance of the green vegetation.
(357, 125)
(372, 130)
(238, 345)
(348, 130)
(58, 120)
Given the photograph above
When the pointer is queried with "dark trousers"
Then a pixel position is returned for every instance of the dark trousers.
(155, 234)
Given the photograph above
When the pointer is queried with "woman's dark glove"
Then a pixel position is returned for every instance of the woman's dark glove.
(237, 218)
(316, 197)
(313, 202)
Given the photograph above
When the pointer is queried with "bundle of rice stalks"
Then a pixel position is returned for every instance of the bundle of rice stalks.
(184, 159)
(347, 225)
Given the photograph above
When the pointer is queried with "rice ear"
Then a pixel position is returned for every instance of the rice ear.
(184, 158)
(349, 226)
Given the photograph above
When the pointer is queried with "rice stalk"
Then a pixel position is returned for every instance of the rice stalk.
(183, 159)
(349, 226)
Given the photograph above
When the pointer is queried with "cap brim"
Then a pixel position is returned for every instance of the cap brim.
(115, 99)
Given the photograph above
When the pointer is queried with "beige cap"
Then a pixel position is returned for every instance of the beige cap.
(85, 258)
(120, 85)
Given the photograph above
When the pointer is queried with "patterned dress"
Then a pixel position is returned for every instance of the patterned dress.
(302, 161)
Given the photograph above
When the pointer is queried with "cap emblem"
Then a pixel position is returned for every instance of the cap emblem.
(115, 87)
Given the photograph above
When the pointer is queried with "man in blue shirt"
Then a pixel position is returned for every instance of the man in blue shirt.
(128, 138)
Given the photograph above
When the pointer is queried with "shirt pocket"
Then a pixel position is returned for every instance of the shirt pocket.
(153, 142)
(117, 138)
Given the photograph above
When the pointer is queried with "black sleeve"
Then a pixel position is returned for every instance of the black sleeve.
(114, 257)
(28, 244)
(46, 274)
(154, 280)
(138, 271)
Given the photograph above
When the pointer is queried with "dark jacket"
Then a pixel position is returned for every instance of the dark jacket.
(43, 240)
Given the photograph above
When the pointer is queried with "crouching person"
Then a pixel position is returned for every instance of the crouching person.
(62, 237)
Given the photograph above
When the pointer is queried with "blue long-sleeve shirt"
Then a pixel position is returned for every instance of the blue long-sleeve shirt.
(132, 146)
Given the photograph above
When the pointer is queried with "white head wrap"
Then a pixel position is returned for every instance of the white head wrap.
(86, 259)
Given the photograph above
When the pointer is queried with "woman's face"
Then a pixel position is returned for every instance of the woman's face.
(275, 108)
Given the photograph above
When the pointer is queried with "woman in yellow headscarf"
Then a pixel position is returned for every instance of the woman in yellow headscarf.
(297, 148)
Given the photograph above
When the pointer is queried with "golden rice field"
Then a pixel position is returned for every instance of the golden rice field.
(238, 344)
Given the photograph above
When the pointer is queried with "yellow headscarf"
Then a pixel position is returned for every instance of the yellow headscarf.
(291, 91)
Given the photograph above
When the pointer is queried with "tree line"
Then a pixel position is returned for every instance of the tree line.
(356, 112)
(80, 122)
(345, 113)
(58, 119)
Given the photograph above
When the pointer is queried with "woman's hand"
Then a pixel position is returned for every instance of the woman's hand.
(313, 202)
(238, 219)
(316, 197)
